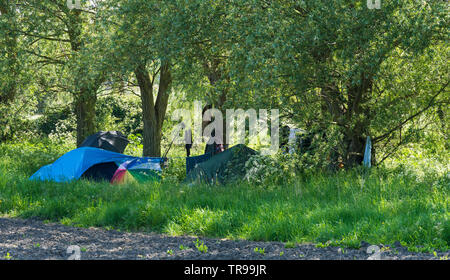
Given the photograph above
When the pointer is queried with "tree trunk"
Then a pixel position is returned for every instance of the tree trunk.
(346, 112)
(153, 113)
(85, 115)
(85, 95)
(214, 75)
(358, 121)
(354, 143)
(10, 40)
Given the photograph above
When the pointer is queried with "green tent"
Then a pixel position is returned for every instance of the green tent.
(222, 168)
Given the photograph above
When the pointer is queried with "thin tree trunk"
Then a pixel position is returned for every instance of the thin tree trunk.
(85, 116)
(85, 95)
(10, 40)
(214, 75)
(153, 113)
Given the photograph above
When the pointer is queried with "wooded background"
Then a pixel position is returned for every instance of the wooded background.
(334, 68)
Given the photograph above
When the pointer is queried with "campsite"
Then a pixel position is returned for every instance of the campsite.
(218, 130)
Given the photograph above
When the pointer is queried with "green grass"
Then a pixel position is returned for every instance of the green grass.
(330, 209)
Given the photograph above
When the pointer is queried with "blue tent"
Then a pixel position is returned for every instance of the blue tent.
(72, 165)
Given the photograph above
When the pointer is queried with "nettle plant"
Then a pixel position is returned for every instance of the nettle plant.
(270, 170)
(283, 167)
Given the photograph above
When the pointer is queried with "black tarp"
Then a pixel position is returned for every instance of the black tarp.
(113, 141)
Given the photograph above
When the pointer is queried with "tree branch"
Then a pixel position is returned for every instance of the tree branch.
(430, 104)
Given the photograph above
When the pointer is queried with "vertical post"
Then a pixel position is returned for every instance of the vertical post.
(368, 153)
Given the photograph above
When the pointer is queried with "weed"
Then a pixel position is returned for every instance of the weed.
(201, 247)
(290, 244)
(261, 251)
(8, 256)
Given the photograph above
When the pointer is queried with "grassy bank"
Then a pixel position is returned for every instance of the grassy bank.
(382, 206)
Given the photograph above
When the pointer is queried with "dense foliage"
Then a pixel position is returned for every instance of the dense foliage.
(337, 69)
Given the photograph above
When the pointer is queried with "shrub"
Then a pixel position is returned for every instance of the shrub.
(57, 121)
(119, 112)
(175, 171)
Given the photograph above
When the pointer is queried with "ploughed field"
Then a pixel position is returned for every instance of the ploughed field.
(32, 239)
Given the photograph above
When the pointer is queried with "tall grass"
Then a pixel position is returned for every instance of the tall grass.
(380, 206)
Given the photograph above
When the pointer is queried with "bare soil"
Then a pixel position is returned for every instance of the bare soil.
(33, 239)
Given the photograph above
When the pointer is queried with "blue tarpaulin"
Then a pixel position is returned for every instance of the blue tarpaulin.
(73, 164)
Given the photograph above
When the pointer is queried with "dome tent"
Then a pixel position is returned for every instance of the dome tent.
(91, 163)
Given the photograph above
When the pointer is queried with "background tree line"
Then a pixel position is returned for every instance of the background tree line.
(335, 68)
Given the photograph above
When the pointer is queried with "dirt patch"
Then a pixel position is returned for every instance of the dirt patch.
(33, 239)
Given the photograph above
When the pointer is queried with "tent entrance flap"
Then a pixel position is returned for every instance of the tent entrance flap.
(100, 172)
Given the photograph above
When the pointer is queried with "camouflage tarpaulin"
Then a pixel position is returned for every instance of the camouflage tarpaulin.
(222, 168)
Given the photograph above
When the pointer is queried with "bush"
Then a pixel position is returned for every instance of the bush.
(26, 157)
(175, 172)
(269, 171)
(119, 112)
(14, 123)
(56, 120)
